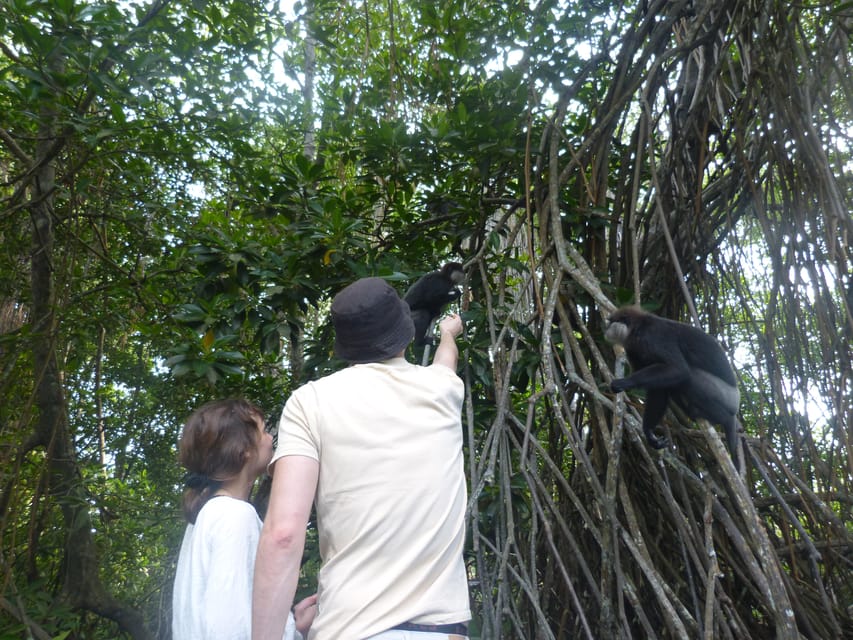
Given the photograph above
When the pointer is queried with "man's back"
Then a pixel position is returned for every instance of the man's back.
(391, 494)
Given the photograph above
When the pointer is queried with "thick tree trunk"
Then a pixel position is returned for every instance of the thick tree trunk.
(82, 585)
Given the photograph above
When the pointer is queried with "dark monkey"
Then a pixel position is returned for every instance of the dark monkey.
(428, 297)
(675, 360)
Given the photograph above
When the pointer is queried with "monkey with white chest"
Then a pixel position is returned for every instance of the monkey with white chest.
(672, 360)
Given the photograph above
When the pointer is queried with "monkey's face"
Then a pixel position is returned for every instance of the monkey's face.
(454, 272)
(617, 329)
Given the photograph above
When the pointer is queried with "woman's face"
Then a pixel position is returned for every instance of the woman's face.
(265, 448)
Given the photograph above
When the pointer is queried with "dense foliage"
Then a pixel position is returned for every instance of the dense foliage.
(185, 185)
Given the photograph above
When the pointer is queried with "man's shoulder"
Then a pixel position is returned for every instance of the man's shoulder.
(360, 371)
(328, 380)
(360, 375)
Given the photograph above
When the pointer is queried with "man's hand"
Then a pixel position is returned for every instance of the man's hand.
(447, 354)
(304, 613)
(451, 324)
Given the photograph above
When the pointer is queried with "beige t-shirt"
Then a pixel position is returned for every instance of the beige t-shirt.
(391, 495)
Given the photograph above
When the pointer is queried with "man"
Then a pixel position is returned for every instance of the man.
(378, 446)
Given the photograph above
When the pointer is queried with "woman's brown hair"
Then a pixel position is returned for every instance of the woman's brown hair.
(217, 440)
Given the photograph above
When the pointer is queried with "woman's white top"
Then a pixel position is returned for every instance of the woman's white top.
(212, 598)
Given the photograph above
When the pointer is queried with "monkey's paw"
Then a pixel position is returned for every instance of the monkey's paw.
(618, 385)
(654, 441)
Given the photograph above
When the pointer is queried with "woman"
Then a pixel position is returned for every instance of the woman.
(225, 449)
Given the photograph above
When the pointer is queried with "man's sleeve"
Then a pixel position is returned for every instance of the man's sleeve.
(296, 435)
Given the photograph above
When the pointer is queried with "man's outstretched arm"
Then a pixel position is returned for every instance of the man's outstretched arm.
(447, 353)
